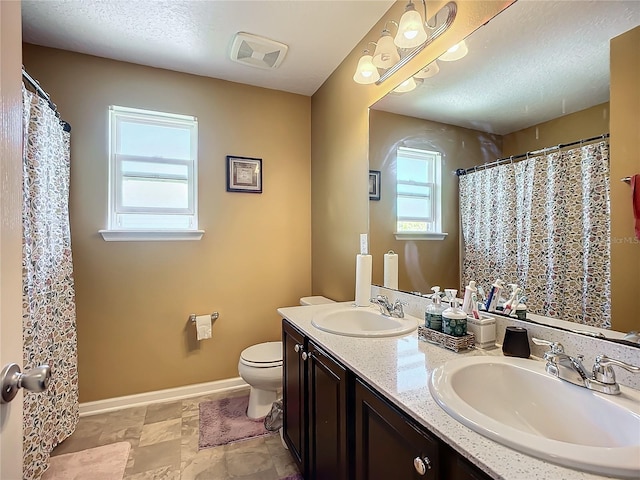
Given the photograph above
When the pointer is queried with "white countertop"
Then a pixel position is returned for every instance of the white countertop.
(399, 368)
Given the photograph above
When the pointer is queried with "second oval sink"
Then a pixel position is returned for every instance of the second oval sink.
(363, 322)
(515, 402)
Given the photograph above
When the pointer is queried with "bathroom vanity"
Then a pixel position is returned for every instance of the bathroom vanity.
(338, 427)
(360, 408)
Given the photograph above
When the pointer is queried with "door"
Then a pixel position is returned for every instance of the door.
(294, 394)
(327, 406)
(10, 230)
(387, 444)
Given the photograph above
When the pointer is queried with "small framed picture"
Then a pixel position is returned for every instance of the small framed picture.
(244, 174)
(374, 185)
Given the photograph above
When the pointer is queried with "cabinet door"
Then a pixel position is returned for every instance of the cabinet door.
(294, 394)
(459, 468)
(327, 387)
(388, 445)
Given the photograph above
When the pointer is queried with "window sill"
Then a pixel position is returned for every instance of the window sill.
(419, 236)
(150, 235)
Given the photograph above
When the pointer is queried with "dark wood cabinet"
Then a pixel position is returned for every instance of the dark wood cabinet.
(339, 428)
(294, 390)
(327, 407)
(459, 468)
(389, 445)
(315, 408)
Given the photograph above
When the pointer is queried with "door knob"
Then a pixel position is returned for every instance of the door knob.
(34, 380)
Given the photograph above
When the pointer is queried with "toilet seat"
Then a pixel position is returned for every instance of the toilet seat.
(262, 355)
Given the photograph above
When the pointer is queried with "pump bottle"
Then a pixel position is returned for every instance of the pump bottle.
(433, 313)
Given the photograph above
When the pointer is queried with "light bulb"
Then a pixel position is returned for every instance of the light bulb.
(366, 71)
(455, 53)
(430, 70)
(406, 86)
(386, 54)
(411, 32)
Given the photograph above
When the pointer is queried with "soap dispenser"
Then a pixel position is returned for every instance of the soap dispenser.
(454, 319)
(433, 313)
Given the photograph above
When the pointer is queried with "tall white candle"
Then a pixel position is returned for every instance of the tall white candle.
(391, 270)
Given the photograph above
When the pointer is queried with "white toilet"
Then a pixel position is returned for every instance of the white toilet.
(261, 367)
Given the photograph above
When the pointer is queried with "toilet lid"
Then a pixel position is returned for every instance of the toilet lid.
(263, 354)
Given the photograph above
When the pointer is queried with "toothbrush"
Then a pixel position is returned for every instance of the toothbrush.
(474, 306)
(509, 305)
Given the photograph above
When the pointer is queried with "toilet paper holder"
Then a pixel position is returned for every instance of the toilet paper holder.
(214, 316)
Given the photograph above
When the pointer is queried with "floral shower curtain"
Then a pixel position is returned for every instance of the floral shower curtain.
(544, 224)
(48, 300)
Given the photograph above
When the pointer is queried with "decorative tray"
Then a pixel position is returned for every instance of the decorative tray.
(447, 341)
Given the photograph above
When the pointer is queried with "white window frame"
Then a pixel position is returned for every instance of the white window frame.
(434, 193)
(115, 231)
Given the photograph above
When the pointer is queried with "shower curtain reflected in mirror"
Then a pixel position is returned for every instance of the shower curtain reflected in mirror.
(48, 300)
(544, 224)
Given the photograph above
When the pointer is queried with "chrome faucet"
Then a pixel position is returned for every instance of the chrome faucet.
(387, 308)
(565, 367)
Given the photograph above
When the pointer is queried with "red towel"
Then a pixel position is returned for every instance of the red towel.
(635, 198)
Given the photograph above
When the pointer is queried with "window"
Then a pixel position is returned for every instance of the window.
(152, 175)
(418, 194)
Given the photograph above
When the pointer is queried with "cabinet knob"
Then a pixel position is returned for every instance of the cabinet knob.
(298, 348)
(305, 355)
(422, 465)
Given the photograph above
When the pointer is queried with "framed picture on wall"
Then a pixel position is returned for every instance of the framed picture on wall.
(244, 174)
(374, 185)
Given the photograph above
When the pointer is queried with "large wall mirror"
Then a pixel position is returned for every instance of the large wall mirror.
(535, 76)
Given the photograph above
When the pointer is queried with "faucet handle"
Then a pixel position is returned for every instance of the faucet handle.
(398, 308)
(555, 347)
(603, 372)
(381, 298)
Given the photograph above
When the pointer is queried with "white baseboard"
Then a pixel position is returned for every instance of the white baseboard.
(170, 394)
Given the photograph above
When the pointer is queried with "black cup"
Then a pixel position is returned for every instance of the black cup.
(516, 342)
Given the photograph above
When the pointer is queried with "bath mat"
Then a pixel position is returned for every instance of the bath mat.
(225, 421)
(101, 463)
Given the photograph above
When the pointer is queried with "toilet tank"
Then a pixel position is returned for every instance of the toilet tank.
(316, 300)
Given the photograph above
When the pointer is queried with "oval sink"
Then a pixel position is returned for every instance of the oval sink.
(363, 322)
(516, 403)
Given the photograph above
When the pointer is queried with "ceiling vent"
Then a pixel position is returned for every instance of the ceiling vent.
(257, 51)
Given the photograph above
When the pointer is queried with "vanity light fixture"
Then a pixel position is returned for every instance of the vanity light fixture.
(386, 53)
(455, 53)
(366, 71)
(392, 53)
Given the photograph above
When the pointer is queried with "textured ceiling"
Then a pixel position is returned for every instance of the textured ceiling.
(196, 36)
(535, 61)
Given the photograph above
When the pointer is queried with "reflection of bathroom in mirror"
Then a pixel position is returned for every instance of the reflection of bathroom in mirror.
(535, 76)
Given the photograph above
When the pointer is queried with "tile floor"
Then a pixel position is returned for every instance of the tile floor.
(164, 445)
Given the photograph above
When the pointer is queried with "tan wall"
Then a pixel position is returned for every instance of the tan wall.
(625, 162)
(423, 263)
(134, 298)
(339, 152)
(569, 128)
